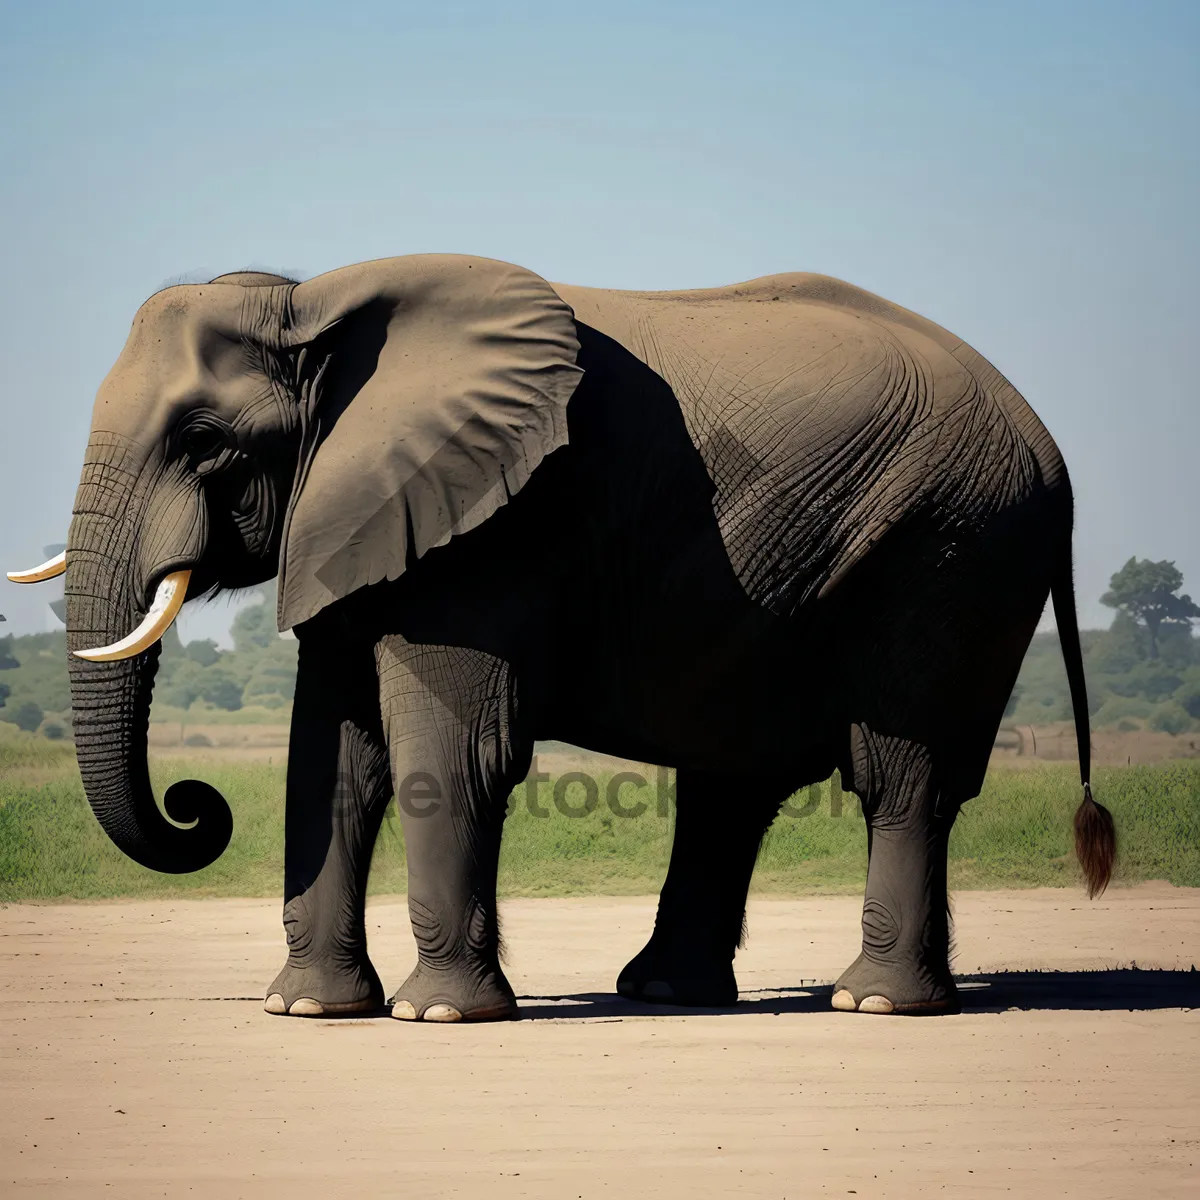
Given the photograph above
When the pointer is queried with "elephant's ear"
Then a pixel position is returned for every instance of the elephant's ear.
(430, 387)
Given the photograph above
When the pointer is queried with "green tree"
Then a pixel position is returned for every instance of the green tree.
(27, 716)
(1178, 647)
(1150, 679)
(184, 685)
(1121, 647)
(274, 672)
(204, 652)
(1146, 591)
(254, 627)
(1170, 718)
(219, 688)
(1188, 695)
(5, 692)
(8, 661)
(42, 673)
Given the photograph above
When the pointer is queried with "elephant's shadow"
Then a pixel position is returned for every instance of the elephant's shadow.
(1001, 991)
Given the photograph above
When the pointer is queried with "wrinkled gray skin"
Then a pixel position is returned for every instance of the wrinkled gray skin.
(828, 553)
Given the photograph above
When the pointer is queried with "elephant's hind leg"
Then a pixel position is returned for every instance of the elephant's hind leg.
(458, 748)
(720, 821)
(338, 788)
(904, 965)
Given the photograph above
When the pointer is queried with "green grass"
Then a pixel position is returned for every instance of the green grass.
(1016, 834)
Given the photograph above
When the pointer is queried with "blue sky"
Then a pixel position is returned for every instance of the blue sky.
(1026, 174)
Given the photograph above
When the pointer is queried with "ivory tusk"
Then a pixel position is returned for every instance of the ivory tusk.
(168, 599)
(48, 570)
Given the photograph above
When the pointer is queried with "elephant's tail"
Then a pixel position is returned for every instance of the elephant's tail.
(1095, 835)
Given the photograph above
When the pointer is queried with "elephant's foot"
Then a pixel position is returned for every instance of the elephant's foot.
(325, 989)
(903, 987)
(696, 979)
(447, 994)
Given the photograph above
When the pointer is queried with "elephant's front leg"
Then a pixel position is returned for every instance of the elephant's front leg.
(457, 749)
(338, 787)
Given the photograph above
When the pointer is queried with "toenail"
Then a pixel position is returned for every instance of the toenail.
(441, 1012)
(876, 1004)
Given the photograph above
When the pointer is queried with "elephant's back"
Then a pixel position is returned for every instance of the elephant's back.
(796, 349)
(756, 362)
(722, 315)
(823, 413)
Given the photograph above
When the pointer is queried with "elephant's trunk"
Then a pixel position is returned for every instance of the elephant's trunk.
(111, 700)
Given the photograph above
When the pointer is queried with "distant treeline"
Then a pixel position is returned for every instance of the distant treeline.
(1127, 687)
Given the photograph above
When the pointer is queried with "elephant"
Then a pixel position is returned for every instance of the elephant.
(755, 533)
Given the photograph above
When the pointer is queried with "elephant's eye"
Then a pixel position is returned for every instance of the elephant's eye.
(202, 442)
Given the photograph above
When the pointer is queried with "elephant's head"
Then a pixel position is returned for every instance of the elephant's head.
(330, 432)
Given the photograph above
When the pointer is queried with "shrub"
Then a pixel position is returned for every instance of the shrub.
(1188, 696)
(184, 686)
(254, 626)
(220, 689)
(1117, 708)
(1120, 648)
(273, 670)
(197, 739)
(1171, 718)
(204, 653)
(54, 731)
(27, 716)
(1154, 680)
(8, 661)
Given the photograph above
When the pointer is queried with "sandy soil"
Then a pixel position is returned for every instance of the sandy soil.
(135, 1060)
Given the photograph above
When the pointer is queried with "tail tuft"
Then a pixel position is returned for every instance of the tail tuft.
(1095, 842)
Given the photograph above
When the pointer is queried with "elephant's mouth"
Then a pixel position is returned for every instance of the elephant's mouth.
(169, 596)
(164, 608)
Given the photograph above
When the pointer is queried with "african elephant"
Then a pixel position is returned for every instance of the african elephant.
(642, 522)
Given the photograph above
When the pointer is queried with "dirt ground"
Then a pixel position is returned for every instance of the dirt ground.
(136, 1060)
